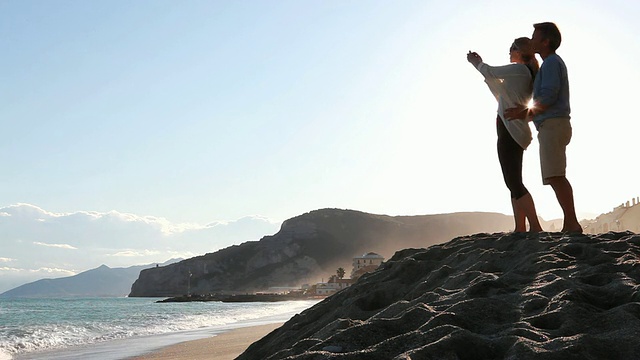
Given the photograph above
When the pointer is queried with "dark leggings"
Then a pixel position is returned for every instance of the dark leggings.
(510, 156)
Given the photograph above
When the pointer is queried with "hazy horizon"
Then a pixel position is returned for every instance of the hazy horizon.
(54, 245)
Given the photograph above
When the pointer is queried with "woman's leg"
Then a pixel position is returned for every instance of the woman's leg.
(505, 156)
(519, 216)
(510, 155)
(528, 208)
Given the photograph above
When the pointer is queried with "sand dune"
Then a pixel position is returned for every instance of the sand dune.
(486, 296)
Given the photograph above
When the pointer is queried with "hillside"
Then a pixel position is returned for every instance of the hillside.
(625, 217)
(546, 296)
(310, 247)
(101, 281)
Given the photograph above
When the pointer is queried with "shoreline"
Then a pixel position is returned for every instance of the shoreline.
(226, 345)
(183, 323)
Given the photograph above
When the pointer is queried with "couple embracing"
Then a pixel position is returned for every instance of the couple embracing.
(513, 86)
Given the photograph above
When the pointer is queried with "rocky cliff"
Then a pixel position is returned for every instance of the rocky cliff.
(307, 248)
(547, 296)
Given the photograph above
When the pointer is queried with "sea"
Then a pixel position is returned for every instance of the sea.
(120, 328)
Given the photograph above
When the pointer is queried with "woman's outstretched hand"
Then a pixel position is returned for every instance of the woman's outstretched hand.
(474, 58)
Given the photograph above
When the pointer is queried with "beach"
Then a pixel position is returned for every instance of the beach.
(123, 328)
(224, 346)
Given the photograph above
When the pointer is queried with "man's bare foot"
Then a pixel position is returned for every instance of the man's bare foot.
(574, 228)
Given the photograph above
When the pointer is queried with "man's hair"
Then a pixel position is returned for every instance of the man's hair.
(551, 32)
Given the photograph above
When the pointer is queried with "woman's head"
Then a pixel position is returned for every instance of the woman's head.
(522, 52)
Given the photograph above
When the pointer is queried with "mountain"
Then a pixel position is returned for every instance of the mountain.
(101, 281)
(544, 296)
(307, 248)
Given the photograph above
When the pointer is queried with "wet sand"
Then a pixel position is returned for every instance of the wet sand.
(224, 346)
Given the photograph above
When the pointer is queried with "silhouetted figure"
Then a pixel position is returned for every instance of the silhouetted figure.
(511, 85)
(551, 115)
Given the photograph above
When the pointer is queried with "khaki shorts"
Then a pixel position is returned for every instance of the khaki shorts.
(554, 135)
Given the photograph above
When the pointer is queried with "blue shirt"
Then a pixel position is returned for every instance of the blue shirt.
(551, 87)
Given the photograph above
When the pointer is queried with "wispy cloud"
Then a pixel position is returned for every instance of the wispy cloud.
(43, 271)
(153, 255)
(84, 240)
(52, 271)
(60, 246)
(135, 253)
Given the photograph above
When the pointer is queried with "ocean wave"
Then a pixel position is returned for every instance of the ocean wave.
(77, 325)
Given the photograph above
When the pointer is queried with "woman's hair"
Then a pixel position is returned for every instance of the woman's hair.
(523, 45)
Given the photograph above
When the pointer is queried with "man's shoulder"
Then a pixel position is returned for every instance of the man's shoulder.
(552, 61)
(553, 58)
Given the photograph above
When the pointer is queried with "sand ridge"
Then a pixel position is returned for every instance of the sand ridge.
(485, 296)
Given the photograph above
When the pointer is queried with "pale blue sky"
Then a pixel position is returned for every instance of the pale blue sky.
(197, 111)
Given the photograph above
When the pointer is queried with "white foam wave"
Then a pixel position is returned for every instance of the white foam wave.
(161, 319)
(4, 355)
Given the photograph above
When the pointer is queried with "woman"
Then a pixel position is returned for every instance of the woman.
(512, 85)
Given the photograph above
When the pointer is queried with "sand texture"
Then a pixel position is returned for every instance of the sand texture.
(225, 346)
(487, 296)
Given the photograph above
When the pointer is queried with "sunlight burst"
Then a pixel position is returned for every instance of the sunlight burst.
(530, 104)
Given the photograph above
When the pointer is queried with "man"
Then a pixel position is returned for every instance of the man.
(551, 115)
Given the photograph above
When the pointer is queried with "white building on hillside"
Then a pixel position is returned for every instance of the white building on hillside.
(361, 265)
(625, 217)
(365, 263)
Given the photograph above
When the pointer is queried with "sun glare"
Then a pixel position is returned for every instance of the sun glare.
(530, 104)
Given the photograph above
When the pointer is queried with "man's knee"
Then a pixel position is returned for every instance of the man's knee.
(560, 185)
(556, 180)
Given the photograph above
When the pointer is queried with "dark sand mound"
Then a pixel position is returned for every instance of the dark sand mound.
(486, 296)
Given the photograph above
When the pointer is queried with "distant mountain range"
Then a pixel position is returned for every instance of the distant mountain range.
(307, 248)
(310, 247)
(101, 281)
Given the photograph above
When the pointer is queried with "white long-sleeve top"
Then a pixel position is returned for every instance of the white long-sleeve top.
(511, 86)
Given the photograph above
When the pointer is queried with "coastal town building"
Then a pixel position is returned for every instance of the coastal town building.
(339, 284)
(368, 262)
(625, 217)
(323, 289)
(365, 263)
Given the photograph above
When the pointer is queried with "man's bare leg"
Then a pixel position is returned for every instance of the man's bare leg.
(564, 194)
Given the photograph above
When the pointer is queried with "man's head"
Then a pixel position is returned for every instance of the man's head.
(546, 36)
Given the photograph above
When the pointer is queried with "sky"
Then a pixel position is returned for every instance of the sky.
(40, 244)
(201, 112)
